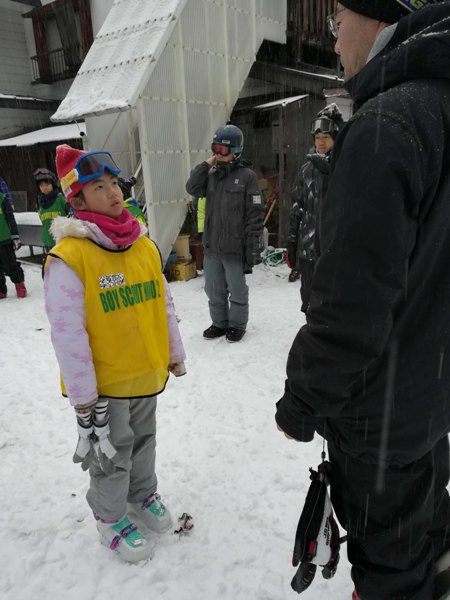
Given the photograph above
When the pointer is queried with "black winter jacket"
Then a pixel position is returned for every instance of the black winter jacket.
(308, 191)
(374, 356)
(234, 210)
(8, 213)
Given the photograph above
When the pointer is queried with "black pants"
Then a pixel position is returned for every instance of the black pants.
(306, 268)
(395, 536)
(9, 266)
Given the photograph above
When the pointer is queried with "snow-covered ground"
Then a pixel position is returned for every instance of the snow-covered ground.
(220, 458)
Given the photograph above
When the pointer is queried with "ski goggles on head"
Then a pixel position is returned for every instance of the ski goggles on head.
(221, 149)
(323, 126)
(89, 167)
(42, 172)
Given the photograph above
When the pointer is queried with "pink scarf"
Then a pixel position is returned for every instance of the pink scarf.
(121, 231)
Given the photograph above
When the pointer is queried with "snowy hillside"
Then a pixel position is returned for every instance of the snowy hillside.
(219, 457)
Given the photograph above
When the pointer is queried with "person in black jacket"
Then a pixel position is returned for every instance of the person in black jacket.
(9, 243)
(308, 191)
(233, 229)
(370, 370)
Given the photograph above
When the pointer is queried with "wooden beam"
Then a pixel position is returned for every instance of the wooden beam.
(309, 82)
(35, 3)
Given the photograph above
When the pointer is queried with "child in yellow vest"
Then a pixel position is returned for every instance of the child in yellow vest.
(116, 338)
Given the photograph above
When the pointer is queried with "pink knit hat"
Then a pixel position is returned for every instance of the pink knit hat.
(66, 159)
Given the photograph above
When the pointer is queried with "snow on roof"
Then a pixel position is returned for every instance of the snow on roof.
(22, 98)
(119, 61)
(48, 134)
(280, 102)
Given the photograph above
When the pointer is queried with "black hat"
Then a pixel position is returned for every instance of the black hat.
(388, 11)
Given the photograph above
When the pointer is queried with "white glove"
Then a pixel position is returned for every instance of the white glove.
(84, 452)
(16, 242)
(177, 369)
(107, 455)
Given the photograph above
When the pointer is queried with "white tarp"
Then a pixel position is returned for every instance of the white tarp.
(48, 134)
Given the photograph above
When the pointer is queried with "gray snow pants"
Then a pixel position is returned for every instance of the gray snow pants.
(227, 291)
(132, 425)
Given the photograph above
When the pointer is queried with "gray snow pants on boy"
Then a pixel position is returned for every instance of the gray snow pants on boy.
(132, 424)
(227, 291)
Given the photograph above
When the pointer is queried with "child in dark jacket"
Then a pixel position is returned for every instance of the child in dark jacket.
(51, 203)
(9, 243)
(233, 231)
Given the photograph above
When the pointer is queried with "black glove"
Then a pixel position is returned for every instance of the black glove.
(291, 252)
(248, 270)
(16, 242)
(253, 249)
(317, 539)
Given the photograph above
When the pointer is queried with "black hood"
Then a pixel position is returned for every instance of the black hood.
(46, 200)
(419, 49)
(223, 169)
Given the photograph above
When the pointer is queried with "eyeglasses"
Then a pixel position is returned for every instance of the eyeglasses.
(221, 149)
(332, 25)
(88, 167)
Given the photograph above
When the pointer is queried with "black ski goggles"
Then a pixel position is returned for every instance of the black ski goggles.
(89, 167)
(323, 126)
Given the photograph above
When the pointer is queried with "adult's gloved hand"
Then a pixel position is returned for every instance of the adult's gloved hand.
(16, 242)
(106, 454)
(248, 270)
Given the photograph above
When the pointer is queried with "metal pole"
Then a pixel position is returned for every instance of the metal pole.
(282, 212)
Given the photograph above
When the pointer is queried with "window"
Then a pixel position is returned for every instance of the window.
(63, 36)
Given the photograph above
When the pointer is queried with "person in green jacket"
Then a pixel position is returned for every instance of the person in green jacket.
(50, 203)
(129, 202)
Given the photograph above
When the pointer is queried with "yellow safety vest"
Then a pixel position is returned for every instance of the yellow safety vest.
(201, 212)
(126, 316)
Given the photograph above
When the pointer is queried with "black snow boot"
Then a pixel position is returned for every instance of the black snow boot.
(213, 332)
(234, 334)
